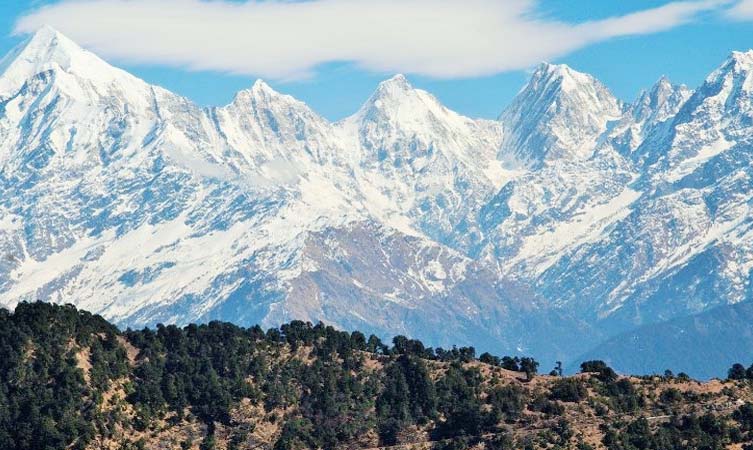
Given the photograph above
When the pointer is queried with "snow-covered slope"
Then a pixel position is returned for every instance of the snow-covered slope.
(125, 199)
(417, 160)
(654, 109)
(574, 215)
(685, 245)
(131, 201)
(558, 116)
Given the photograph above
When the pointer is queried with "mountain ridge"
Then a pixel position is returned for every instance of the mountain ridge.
(404, 218)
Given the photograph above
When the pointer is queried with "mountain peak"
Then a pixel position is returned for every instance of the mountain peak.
(261, 94)
(47, 34)
(259, 90)
(45, 46)
(737, 62)
(560, 113)
(261, 86)
(396, 96)
(743, 58)
(561, 74)
(663, 89)
(546, 68)
(737, 70)
(663, 83)
(396, 86)
(397, 80)
(652, 107)
(49, 49)
(550, 82)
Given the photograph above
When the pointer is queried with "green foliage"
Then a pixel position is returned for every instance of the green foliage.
(45, 402)
(622, 395)
(601, 369)
(737, 372)
(670, 396)
(408, 395)
(744, 415)
(688, 432)
(462, 354)
(530, 366)
(568, 390)
(324, 388)
(507, 402)
(459, 392)
(296, 434)
(546, 406)
(48, 402)
(510, 363)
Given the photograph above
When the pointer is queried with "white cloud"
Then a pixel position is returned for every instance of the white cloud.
(283, 39)
(742, 10)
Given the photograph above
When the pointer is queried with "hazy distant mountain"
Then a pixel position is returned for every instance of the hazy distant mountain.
(702, 345)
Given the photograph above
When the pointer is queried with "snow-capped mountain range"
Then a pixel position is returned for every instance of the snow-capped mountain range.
(572, 218)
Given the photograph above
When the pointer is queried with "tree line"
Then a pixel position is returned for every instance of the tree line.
(319, 386)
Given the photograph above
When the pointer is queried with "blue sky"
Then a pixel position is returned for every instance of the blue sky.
(627, 45)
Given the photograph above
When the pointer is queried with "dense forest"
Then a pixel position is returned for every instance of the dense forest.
(71, 380)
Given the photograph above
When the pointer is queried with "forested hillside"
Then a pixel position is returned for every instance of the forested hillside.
(70, 380)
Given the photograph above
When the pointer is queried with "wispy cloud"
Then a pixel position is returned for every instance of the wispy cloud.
(284, 40)
(742, 10)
